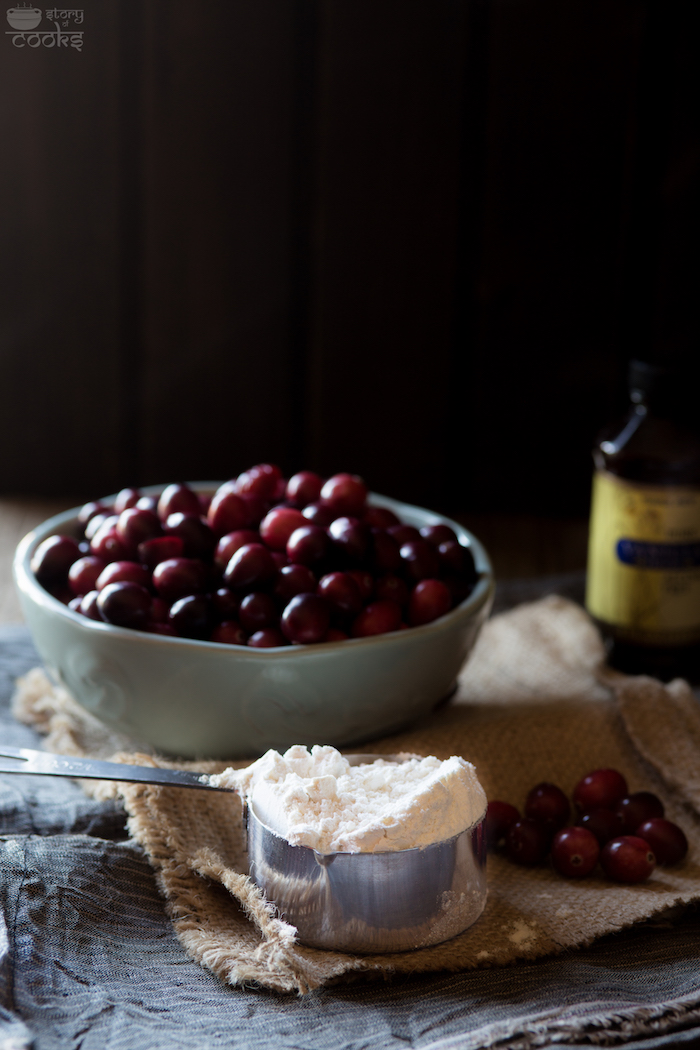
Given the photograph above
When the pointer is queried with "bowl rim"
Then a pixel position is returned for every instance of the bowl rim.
(29, 587)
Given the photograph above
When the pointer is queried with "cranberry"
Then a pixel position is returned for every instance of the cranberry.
(292, 580)
(53, 558)
(605, 824)
(404, 533)
(346, 492)
(527, 842)
(268, 638)
(156, 627)
(378, 617)
(334, 634)
(419, 560)
(384, 552)
(459, 587)
(227, 512)
(391, 586)
(123, 571)
(160, 610)
(194, 532)
(125, 499)
(575, 852)
(304, 487)
(153, 552)
(637, 808)
(107, 543)
(627, 859)
(350, 538)
(308, 545)
(280, 559)
(124, 604)
(178, 577)
(257, 610)
(278, 525)
(365, 581)
(437, 534)
(548, 805)
(256, 506)
(342, 594)
(601, 788)
(250, 568)
(75, 603)
(500, 817)
(135, 526)
(229, 633)
(260, 481)
(89, 606)
(229, 544)
(147, 503)
(225, 604)
(191, 616)
(666, 840)
(428, 600)
(84, 572)
(97, 521)
(380, 518)
(306, 619)
(177, 499)
(455, 558)
(89, 510)
(320, 513)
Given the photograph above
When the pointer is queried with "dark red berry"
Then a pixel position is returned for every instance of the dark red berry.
(191, 616)
(53, 558)
(125, 605)
(306, 619)
(84, 572)
(627, 859)
(176, 499)
(575, 852)
(437, 534)
(250, 568)
(601, 788)
(268, 638)
(346, 492)
(153, 552)
(605, 824)
(428, 600)
(304, 488)
(527, 842)
(178, 577)
(635, 809)
(257, 610)
(277, 526)
(500, 817)
(118, 571)
(378, 617)
(666, 840)
(229, 633)
(379, 517)
(548, 805)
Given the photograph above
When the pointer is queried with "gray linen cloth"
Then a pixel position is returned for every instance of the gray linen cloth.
(88, 958)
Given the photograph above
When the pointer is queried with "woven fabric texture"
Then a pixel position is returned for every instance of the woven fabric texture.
(535, 703)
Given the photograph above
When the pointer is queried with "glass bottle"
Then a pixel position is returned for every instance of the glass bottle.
(643, 582)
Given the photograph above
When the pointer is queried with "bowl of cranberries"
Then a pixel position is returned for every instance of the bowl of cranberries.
(220, 620)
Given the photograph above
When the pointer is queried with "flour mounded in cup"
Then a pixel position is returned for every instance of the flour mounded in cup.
(317, 799)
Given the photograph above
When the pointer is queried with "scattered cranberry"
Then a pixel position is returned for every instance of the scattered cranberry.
(601, 788)
(666, 840)
(627, 859)
(548, 805)
(500, 817)
(637, 808)
(605, 824)
(527, 842)
(575, 852)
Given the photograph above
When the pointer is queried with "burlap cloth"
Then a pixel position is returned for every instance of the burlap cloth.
(535, 702)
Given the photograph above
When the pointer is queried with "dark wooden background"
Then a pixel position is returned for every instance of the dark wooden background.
(414, 240)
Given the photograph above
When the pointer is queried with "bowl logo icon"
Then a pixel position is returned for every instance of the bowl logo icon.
(24, 18)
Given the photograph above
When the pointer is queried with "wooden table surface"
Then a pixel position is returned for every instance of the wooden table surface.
(521, 546)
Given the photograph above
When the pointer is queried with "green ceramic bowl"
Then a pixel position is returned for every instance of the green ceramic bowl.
(206, 700)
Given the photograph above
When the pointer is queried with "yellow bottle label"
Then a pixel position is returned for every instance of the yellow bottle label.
(644, 560)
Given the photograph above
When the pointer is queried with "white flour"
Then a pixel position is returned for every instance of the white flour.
(318, 799)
